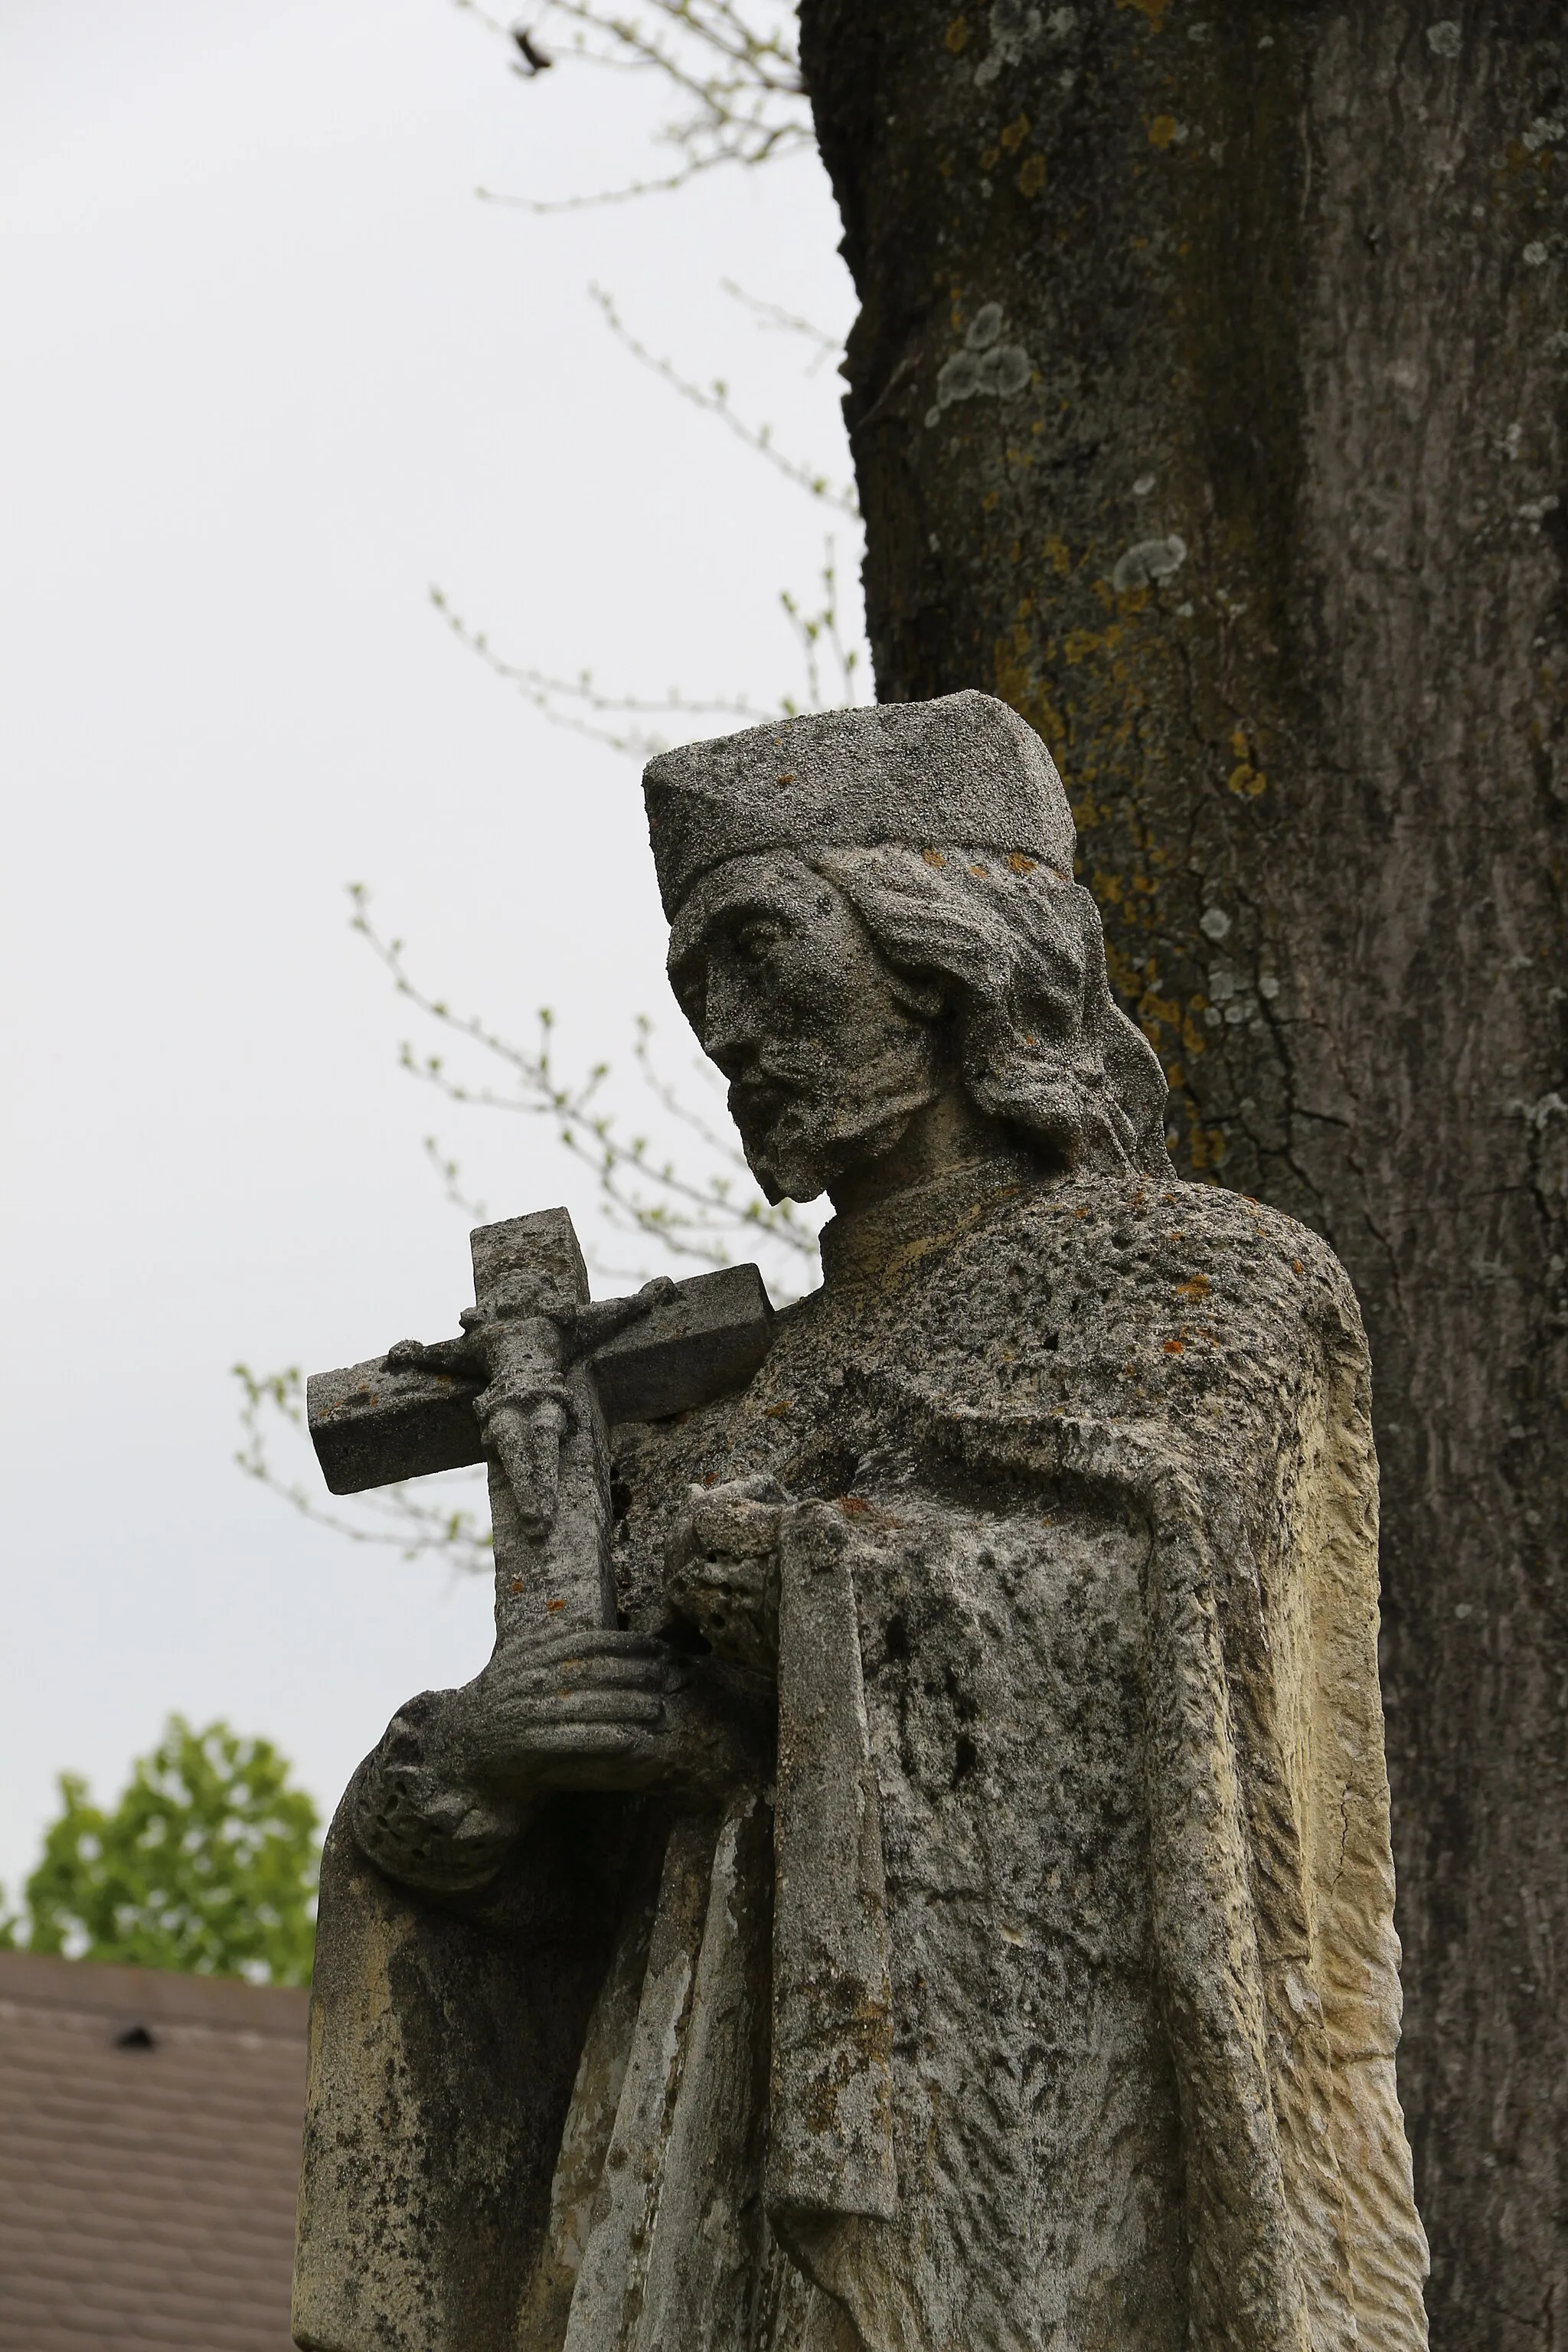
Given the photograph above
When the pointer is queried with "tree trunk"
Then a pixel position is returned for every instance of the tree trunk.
(1207, 401)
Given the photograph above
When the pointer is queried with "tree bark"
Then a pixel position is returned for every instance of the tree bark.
(1207, 403)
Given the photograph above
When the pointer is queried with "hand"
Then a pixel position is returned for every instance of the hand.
(568, 1709)
(721, 1571)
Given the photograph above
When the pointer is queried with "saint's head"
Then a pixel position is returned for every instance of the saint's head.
(876, 936)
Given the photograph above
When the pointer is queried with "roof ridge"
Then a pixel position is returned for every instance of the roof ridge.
(94, 1990)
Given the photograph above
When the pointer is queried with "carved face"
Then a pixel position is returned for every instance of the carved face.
(828, 1051)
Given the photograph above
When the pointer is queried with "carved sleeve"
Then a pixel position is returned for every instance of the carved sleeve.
(419, 1823)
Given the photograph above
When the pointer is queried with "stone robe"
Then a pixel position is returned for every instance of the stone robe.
(1046, 1994)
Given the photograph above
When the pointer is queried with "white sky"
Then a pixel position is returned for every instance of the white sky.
(268, 370)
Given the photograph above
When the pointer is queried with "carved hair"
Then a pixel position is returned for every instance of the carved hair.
(1019, 956)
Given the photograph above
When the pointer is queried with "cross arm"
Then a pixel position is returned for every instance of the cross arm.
(375, 1422)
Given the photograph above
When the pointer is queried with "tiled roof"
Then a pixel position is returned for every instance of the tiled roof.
(149, 2158)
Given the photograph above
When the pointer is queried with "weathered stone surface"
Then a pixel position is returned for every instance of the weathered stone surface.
(965, 766)
(952, 1906)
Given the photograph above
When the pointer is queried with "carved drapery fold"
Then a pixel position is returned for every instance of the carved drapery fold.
(654, 2249)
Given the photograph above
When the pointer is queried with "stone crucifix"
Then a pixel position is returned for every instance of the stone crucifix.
(531, 1385)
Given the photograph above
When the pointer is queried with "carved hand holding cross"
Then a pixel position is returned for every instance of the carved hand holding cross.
(538, 1376)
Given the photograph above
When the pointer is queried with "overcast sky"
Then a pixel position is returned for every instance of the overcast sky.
(269, 371)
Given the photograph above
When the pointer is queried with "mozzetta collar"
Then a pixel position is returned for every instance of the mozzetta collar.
(877, 1243)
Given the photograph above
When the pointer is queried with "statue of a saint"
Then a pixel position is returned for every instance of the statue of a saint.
(954, 1907)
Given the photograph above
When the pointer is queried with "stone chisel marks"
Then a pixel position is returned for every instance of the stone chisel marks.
(375, 1422)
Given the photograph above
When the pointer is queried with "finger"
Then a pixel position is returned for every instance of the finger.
(590, 1740)
(599, 1775)
(576, 1758)
(656, 1675)
(599, 1706)
(582, 1642)
(583, 1707)
(620, 1674)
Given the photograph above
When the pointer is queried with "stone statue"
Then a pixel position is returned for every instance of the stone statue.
(939, 1895)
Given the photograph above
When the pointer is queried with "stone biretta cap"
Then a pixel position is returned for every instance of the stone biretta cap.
(964, 769)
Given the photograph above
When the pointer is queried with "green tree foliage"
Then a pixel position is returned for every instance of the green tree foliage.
(207, 1865)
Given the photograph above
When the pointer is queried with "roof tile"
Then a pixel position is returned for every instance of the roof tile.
(146, 2194)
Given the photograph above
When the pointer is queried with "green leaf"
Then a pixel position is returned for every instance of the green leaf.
(207, 1864)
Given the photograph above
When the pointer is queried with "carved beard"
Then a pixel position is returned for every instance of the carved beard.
(800, 1132)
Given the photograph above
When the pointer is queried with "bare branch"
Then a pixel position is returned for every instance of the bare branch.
(715, 401)
(634, 188)
(772, 319)
(577, 703)
(701, 1219)
(451, 1175)
(732, 65)
(663, 1091)
(394, 1517)
(820, 631)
